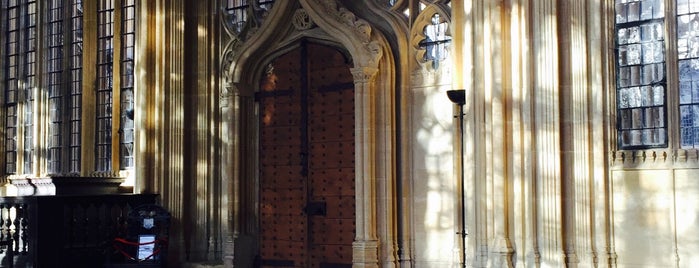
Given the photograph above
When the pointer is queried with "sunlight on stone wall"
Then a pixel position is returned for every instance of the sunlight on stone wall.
(687, 202)
(434, 175)
(643, 218)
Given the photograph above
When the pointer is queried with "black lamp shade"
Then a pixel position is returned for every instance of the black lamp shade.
(457, 96)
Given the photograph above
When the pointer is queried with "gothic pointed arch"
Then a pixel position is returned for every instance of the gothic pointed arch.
(242, 64)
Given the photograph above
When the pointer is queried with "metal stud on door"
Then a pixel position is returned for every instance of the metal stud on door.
(307, 160)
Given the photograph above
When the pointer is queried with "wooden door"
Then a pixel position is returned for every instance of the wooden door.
(307, 204)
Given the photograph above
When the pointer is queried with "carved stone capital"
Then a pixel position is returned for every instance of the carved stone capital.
(364, 75)
(227, 93)
(360, 29)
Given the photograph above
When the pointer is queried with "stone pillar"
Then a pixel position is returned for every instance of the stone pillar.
(229, 198)
(566, 21)
(547, 247)
(365, 246)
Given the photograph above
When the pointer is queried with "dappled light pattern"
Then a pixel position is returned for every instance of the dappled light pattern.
(434, 176)
(643, 218)
(20, 62)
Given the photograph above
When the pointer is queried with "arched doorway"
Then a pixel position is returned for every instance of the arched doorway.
(306, 159)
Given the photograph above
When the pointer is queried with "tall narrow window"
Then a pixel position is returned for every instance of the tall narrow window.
(54, 73)
(63, 83)
(688, 65)
(20, 85)
(128, 31)
(30, 55)
(641, 80)
(75, 85)
(12, 82)
(105, 55)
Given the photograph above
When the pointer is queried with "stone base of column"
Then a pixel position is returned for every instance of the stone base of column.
(365, 254)
(571, 259)
(229, 250)
(502, 253)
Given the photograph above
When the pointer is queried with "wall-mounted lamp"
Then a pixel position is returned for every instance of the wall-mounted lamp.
(458, 96)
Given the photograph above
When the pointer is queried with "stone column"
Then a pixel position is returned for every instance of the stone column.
(365, 246)
(229, 198)
(547, 247)
(576, 162)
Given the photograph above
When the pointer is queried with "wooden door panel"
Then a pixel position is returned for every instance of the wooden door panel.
(307, 160)
(331, 150)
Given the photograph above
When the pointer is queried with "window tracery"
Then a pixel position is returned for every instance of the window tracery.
(436, 41)
(244, 15)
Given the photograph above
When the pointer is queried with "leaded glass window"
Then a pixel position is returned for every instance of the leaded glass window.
(644, 119)
(75, 86)
(688, 65)
(436, 40)
(237, 9)
(29, 85)
(63, 80)
(20, 62)
(43, 108)
(641, 79)
(128, 36)
(12, 81)
(105, 43)
(240, 10)
(54, 75)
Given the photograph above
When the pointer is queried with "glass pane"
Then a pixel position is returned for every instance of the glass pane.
(104, 85)
(126, 154)
(688, 65)
(436, 41)
(640, 47)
